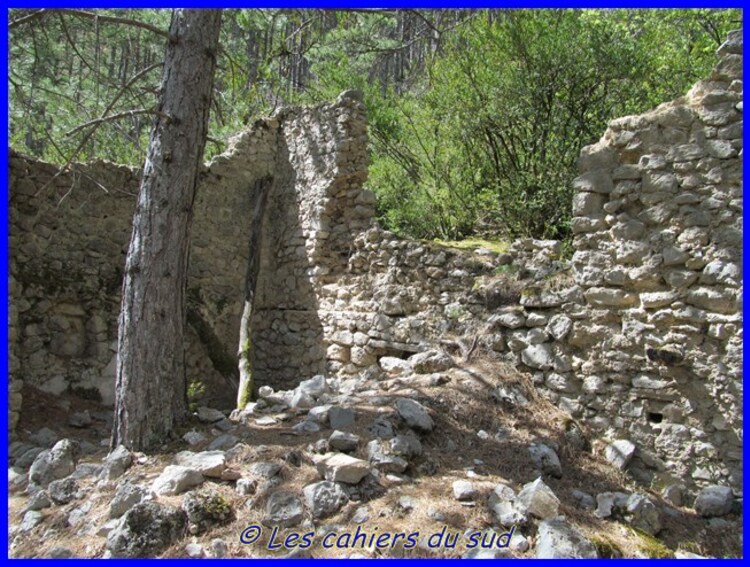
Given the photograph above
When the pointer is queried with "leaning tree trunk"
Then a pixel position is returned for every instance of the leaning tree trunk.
(151, 384)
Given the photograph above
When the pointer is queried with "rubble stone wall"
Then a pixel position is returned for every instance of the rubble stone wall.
(638, 336)
(658, 224)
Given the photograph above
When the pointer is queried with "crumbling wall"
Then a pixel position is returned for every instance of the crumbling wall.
(658, 224)
(69, 235)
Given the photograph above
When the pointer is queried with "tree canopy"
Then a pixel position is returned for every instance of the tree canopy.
(476, 116)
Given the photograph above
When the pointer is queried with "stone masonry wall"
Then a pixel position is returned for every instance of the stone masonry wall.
(639, 336)
(658, 224)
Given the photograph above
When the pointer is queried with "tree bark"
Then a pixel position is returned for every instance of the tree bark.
(259, 194)
(151, 387)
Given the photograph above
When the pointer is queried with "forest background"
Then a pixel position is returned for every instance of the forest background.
(476, 117)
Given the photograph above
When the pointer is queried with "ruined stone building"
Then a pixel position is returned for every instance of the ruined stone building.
(638, 336)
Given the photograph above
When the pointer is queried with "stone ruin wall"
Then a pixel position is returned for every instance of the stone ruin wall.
(658, 224)
(639, 336)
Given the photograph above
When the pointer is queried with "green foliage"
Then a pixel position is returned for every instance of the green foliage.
(491, 144)
(606, 547)
(650, 546)
(195, 391)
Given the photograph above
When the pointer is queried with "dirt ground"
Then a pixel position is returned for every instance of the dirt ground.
(453, 450)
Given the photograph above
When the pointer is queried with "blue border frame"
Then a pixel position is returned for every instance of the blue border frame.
(324, 4)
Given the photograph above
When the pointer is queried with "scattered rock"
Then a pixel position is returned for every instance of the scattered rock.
(80, 419)
(714, 501)
(193, 438)
(463, 490)
(146, 530)
(407, 503)
(338, 467)
(643, 514)
(209, 415)
(223, 442)
(60, 552)
(559, 540)
(265, 470)
(194, 551)
(673, 494)
(218, 548)
(584, 500)
(620, 453)
(306, 426)
(176, 479)
(319, 414)
(207, 463)
(87, 470)
(301, 399)
(545, 459)
(609, 503)
(315, 386)
(39, 501)
(55, 463)
(283, 509)
(31, 519)
(63, 491)
(127, 496)
(116, 463)
(430, 361)
(246, 486)
(343, 441)
(361, 515)
(324, 498)
(382, 428)
(414, 414)
(341, 418)
(507, 510)
(379, 455)
(395, 366)
(539, 499)
(407, 445)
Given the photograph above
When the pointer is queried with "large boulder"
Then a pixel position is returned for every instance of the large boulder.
(146, 530)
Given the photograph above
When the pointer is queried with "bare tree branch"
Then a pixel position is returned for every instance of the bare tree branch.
(90, 16)
(110, 118)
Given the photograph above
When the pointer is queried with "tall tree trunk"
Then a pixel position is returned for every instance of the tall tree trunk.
(259, 194)
(150, 388)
